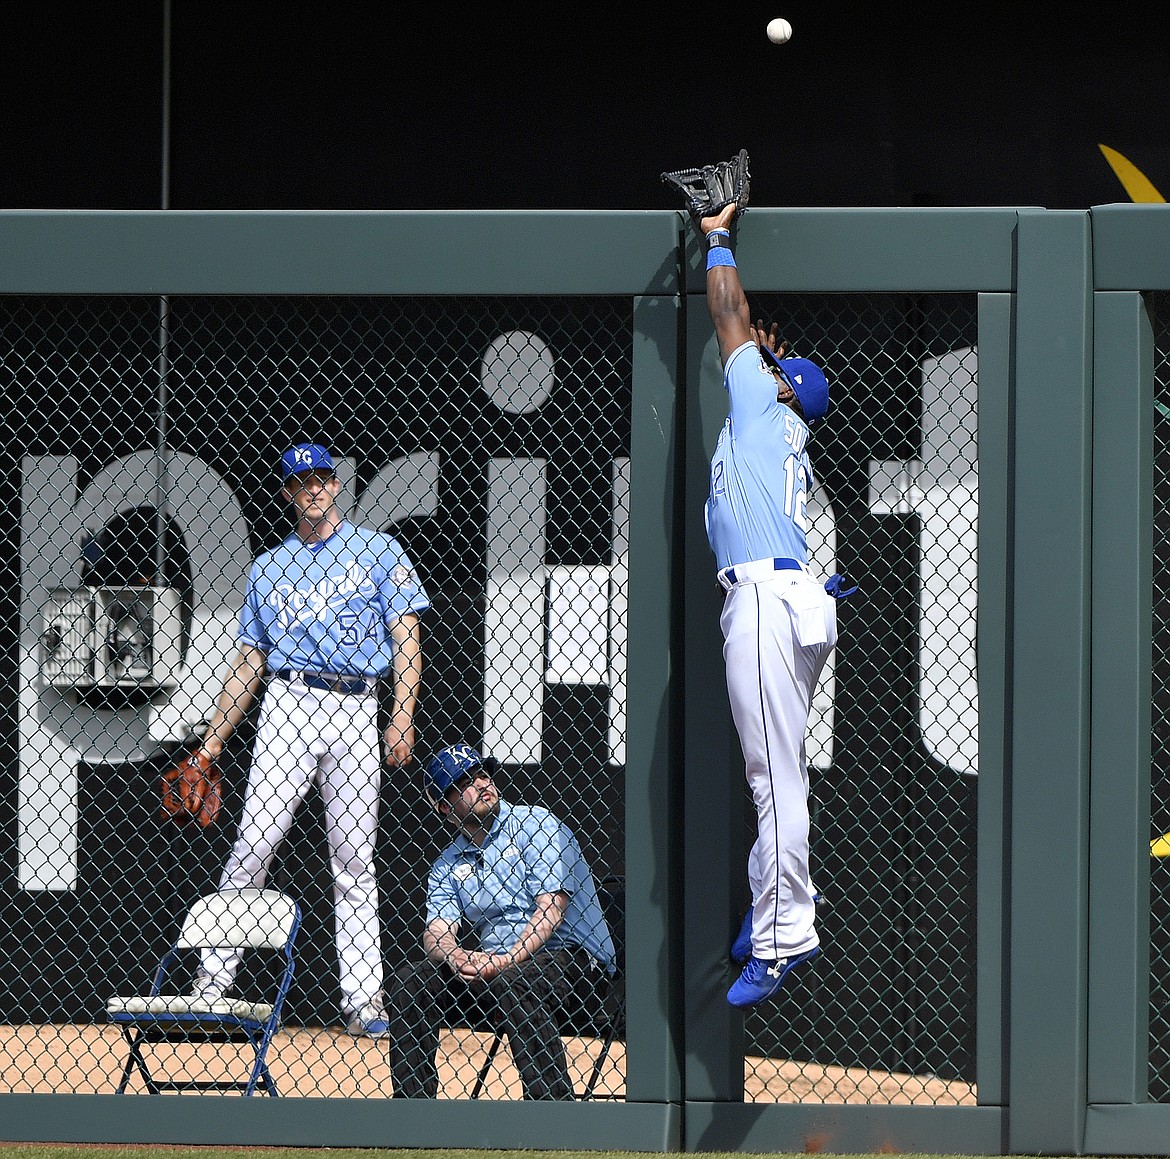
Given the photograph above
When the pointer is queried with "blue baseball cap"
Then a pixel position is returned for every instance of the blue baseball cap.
(304, 457)
(807, 380)
(452, 764)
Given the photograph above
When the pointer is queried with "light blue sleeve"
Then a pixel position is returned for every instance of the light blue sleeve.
(251, 629)
(442, 896)
(751, 389)
(550, 856)
(402, 590)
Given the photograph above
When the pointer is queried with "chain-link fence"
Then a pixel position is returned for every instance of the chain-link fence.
(491, 439)
(887, 1013)
(1160, 748)
(531, 452)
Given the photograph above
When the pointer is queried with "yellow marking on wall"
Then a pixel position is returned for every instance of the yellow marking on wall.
(1139, 187)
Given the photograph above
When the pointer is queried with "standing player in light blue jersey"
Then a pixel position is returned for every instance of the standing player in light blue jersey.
(779, 621)
(328, 614)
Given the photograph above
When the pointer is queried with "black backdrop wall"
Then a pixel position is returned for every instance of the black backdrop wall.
(296, 104)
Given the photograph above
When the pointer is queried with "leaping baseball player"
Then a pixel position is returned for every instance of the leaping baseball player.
(779, 621)
(328, 613)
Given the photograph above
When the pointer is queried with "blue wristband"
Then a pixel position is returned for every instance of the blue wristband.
(720, 256)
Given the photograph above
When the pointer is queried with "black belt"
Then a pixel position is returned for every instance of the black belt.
(584, 957)
(328, 681)
(588, 958)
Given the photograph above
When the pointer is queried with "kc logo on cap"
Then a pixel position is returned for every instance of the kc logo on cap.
(452, 764)
(305, 457)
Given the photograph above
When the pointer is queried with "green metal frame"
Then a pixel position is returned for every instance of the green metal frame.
(1064, 629)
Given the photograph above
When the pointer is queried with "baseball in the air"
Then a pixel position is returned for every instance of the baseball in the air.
(779, 30)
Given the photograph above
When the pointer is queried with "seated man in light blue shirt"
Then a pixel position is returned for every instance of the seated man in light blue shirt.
(514, 877)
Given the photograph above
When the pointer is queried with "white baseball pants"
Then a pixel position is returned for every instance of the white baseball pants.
(307, 736)
(777, 635)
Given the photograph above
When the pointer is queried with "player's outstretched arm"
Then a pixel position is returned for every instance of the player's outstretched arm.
(725, 297)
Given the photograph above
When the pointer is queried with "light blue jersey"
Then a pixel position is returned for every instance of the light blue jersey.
(761, 476)
(328, 607)
(528, 852)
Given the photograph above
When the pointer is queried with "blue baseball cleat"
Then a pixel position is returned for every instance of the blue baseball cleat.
(741, 948)
(762, 978)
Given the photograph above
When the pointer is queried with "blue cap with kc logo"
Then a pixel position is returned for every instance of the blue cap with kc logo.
(452, 764)
(304, 457)
(807, 380)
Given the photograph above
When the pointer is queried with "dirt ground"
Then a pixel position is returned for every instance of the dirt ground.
(327, 1063)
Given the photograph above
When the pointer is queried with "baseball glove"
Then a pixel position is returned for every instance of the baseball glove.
(708, 190)
(192, 790)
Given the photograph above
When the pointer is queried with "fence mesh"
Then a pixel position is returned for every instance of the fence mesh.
(489, 436)
(886, 1012)
(1159, 1074)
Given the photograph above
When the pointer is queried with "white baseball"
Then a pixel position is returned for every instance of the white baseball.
(779, 30)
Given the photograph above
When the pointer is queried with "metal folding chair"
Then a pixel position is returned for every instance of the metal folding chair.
(239, 919)
(611, 892)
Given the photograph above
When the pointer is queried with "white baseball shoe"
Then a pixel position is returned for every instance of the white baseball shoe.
(206, 989)
(368, 1022)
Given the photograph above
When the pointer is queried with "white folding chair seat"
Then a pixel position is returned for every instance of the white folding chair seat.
(185, 1004)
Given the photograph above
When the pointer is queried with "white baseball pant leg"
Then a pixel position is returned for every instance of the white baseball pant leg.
(771, 678)
(305, 735)
(351, 772)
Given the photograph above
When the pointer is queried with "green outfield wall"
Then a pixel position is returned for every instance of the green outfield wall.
(529, 400)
